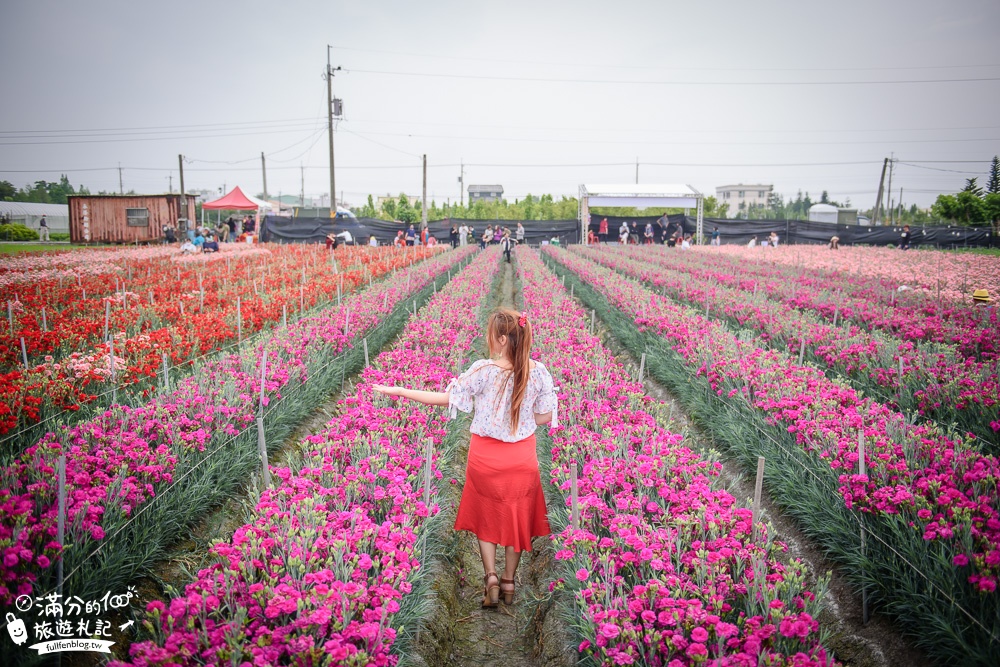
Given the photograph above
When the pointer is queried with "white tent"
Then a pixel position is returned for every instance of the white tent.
(643, 195)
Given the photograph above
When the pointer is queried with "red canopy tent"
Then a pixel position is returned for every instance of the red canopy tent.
(235, 200)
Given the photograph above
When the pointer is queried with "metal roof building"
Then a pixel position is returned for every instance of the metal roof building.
(485, 193)
(29, 213)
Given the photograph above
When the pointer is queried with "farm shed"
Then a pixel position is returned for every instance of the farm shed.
(29, 213)
(123, 219)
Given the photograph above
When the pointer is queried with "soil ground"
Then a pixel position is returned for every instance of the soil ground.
(460, 631)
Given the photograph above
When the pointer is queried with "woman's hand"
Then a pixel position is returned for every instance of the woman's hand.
(388, 391)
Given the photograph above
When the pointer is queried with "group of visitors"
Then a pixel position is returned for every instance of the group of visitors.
(660, 232)
(200, 239)
(770, 241)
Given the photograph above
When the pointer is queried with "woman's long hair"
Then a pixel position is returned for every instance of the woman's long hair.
(507, 322)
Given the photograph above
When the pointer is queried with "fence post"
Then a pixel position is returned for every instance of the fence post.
(802, 349)
(284, 315)
(45, 323)
(24, 353)
(642, 366)
(262, 446)
(166, 374)
(239, 322)
(61, 526)
(107, 317)
(756, 495)
(364, 344)
(10, 316)
(428, 459)
(114, 379)
(862, 470)
(574, 497)
(593, 320)
(338, 295)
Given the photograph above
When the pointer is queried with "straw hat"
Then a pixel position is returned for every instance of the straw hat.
(981, 295)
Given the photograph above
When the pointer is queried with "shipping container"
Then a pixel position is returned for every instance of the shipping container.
(124, 218)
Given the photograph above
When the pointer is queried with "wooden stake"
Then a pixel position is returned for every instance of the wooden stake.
(166, 374)
(862, 470)
(10, 317)
(45, 323)
(284, 315)
(114, 379)
(239, 321)
(263, 378)
(642, 366)
(428, 460)
(262, 446)
(802, 349)
(107, 317)
(593, 321)
(364, 344)
(61, 525)
(756, 494)
(574, 498)
(24, 353)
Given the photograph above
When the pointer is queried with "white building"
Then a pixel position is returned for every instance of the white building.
(740, 197)
(823, 213)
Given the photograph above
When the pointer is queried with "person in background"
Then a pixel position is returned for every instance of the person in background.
(981, 298)
(634, 233)
(686, 242)
(487, 237)
(188, 247)
(211, 245)
(43, 229)
(602, 230)
(506, 243)
(834, 242)
(169, 235)
(497, 235)
(672, 240)
(231, 223)
(715, 237)
(455, 234)
(222, 232)
(623, 233)
(398, 241)
(752, 243)
(249, 225)
(463, 235)
(431, 241)
(199, 240)
(773, 238)
(331, 241)
(648, 234)
(372, 241)
(904, 238)
(411, 236)
(592, 237)
(520, 233)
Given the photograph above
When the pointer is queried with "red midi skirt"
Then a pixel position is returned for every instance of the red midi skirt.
(502, 501)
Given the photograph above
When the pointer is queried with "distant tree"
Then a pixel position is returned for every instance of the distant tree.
(7, 191)
(993, 184)
(972, 187)
(965, 207)
(824, 198)
(389, 209)
(368, 210)
(404, 211)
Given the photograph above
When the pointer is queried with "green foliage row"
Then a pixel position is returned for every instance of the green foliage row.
(973, 204)
(905, 576)
(17, 232)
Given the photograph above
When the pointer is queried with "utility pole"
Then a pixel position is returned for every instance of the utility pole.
(461, 183)
(302, 192)
(878, 200)
(900, 205)
(888, 194)
(263, 171)
(423, 215)
(329, 108)
(184, 199)
(637, 170)
(170, 181)
(121, 188)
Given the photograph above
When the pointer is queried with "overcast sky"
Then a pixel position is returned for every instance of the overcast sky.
(574, 92)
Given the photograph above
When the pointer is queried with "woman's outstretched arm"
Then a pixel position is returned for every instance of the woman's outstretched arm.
(425, 397)
(542, 418)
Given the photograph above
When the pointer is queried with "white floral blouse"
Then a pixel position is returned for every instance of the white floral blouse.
(481, 386)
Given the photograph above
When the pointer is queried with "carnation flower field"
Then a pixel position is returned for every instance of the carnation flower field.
(928, 501)
(345, 557)
(97, 324)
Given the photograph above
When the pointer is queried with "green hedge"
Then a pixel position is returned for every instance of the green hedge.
(15, 231)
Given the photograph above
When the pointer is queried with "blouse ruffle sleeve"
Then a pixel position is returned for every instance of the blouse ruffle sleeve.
(547, 400)
(463, 389)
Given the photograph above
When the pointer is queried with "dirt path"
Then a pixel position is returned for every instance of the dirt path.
(459, 631)
(877, 644)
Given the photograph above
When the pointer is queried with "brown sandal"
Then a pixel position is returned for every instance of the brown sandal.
(491, 594)
(508, 596)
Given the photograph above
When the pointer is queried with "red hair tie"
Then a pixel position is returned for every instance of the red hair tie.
(523, 320)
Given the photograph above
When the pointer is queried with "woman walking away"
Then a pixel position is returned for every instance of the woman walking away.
(454, 236)
(502, 502)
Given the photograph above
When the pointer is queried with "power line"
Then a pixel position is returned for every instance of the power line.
(141, 139)
(672, 69)
(632, 82)
(163, 127)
